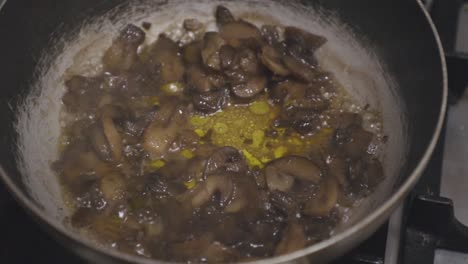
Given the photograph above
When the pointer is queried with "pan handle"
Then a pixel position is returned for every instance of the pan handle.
(434, 218)
(457, 66)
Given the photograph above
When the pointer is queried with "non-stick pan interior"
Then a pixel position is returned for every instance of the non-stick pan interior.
(380, 55)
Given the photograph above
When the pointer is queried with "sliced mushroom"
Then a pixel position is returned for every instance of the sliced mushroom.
(304, 120)
(113, 137)
(218, 253)
(195, 169)
(137, 126)
(325, 198)
(353, 140)
(236, 76)
(217, 80)
(210, 102)
(163, 129)
(254, 86)
(270, 34)
(157, 139)
(272, 59)
(226, 159)
(105, 139)
(293, 239)
(83, 94)
(79, 165)
(246, 60)
(113, 187)
(280, 173)
(365, 174)
(299, 95)
(299, 69)
(213, 184)
(283, 202)
(212, 43)
(338, 168)
(201, 248)
(245, 197)
(235, 33)
(239, 200)
(199, 80)
(306, 40)
(123, 52)
(345, 120)
(223, 15)
(192, 52)
(191, 249)
(192, 24)
(99, 142)
(226, 55)
(162, 187)
(164, 53)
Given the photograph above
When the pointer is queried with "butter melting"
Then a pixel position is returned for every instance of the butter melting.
(249, 128)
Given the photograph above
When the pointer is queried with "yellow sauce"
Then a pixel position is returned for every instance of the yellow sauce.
(246, 127)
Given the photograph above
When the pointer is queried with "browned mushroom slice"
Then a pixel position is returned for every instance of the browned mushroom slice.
(217, 80)
(354, 140)
(162, 187)
(338, 168)
(223, 15)
(192, 52)
(304, 121)
(78, 166)
(210, 102)
(113, 137)
(283, 202)
(210, 53)
(202, 248)
(226, 55)
(280, 173)
(235, 33)
(254, 86)
(99, 142)
(195, 169)
(226, 159)
(306, 40)
(135, 127)
(221, 184)
(300, 95)
(325, 198)
(123, 52)
(191, 249)
(165, 54)
(270, 34)
(106, 140)
(346, 119)
(83, 94)
(238, 201)
(293, 239)
(299, 69)
(113, 187)
(365, 174)
(162, 131)
(246, 61)
(273, 61)
(157, 139)
(192, 24)
(198, 80)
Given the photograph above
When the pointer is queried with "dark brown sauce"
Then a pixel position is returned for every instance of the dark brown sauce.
(223, 149)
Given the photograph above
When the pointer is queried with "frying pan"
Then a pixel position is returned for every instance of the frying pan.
(385, 53)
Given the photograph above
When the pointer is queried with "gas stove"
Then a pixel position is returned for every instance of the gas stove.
(430, 227)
